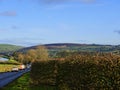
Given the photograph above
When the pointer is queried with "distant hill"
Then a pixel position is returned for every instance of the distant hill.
(7, 48)
(78, 47)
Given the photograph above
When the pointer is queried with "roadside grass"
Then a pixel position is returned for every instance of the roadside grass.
(22, 83)
(19, 84)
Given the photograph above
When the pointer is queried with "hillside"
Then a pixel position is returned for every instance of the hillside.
(78, 47)
(5, 48)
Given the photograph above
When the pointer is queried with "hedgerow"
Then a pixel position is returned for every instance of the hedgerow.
(79, 72)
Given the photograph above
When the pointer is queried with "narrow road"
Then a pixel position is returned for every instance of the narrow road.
(6, 78)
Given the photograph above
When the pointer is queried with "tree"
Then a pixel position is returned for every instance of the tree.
(38, 54)
(20, 58)
(31, 55)
(42, 53)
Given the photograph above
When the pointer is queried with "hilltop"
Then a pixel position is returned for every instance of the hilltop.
(56, 47)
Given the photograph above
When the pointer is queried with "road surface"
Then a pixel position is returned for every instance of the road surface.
(6, 78)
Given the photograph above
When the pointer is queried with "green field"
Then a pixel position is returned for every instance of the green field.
(7, 67)
(22, 83)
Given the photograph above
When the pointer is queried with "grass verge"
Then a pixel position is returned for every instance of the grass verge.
(22, 83)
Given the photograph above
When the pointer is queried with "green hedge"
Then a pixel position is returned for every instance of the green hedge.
(43, 73)
(88, 76)
(76, 73)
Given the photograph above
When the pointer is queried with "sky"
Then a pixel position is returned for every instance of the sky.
(34, 22)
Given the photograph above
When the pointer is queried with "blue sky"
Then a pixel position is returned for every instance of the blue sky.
(33, 22)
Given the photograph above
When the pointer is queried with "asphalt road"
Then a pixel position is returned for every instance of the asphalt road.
(6, 78)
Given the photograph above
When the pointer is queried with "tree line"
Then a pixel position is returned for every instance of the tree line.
(32, 55)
